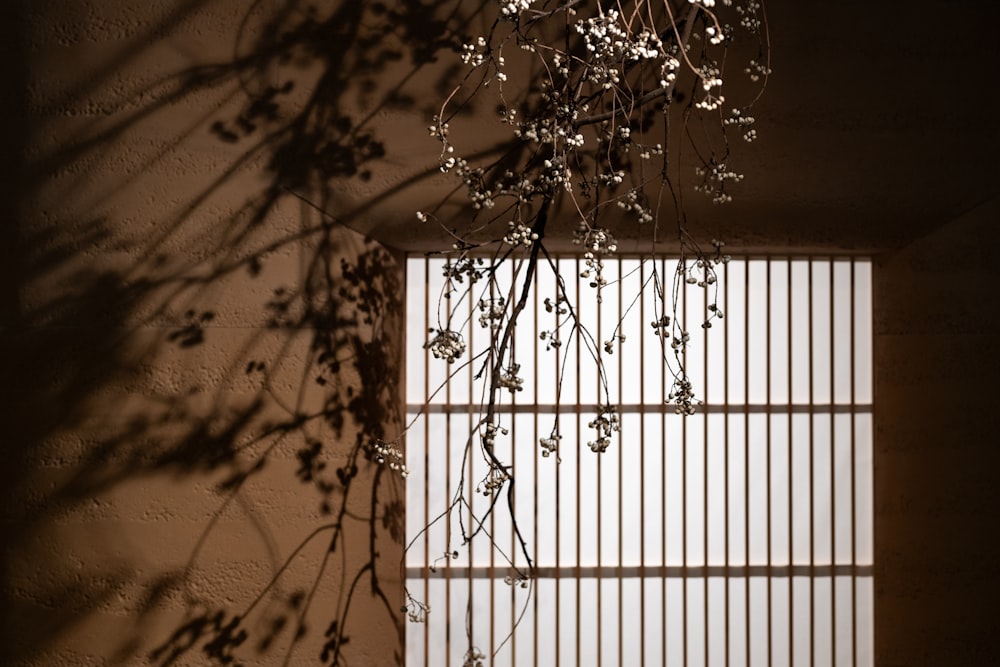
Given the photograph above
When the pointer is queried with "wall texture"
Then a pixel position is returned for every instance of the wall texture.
(196, 363)
(937, 353)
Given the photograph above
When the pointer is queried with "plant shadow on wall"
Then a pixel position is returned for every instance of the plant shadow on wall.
(234, 351)
(351, 315)
(155, 378)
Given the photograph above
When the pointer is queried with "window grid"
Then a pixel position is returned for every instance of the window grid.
(764, 601)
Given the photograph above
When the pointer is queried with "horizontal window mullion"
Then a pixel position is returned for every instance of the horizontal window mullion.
(650, 571)
(651, 408)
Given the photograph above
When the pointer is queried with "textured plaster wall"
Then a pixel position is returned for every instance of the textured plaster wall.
(936, 446)
(195, 362)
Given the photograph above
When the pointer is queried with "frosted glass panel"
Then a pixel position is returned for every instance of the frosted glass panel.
(735, 536)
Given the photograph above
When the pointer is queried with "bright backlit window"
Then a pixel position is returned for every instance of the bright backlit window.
(741, 535)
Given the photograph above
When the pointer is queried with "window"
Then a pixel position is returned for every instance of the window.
(741, 535)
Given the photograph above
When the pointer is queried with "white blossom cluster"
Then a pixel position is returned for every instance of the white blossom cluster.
(595, 240)
(596, 243)
(594, 271)
(605, 424)
(749, 15)
(552, 340)
(661, 327)
(682, 396)
(646, 152)
(699, 273)
(496, 477)
(490, 437)
(715, 36)
(553, 306)
(518, 186)
(480, 195)
(715, 311)
(473, 658)
(710, 81)
(631, 202)
(611, 45)
(714, 178)
(719, 257)
(668, 71)
(560, 64)
(558, 130)
(706, 276)
(439, 130)
(462, 267)
(510, 380)
(756, 70)
(385, 453)
(680, 340)
(491, 312)
(446, 344)
(511, 9)
(607, 40)
(609, 345)
(493, 482)
(739, 119)
(416, 611)
(550, 445)
(610, 179)
(519, 234)
(554, 177)
(475, 54)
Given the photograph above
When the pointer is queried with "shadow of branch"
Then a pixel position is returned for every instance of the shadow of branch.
(141, 371)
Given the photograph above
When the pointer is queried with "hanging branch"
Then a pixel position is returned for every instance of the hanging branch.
(582, 141)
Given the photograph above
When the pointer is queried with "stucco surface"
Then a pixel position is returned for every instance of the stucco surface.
(196, 362)
(936, 454)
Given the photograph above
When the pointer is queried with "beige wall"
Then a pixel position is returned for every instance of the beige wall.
(937, 417)
(185, 345)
